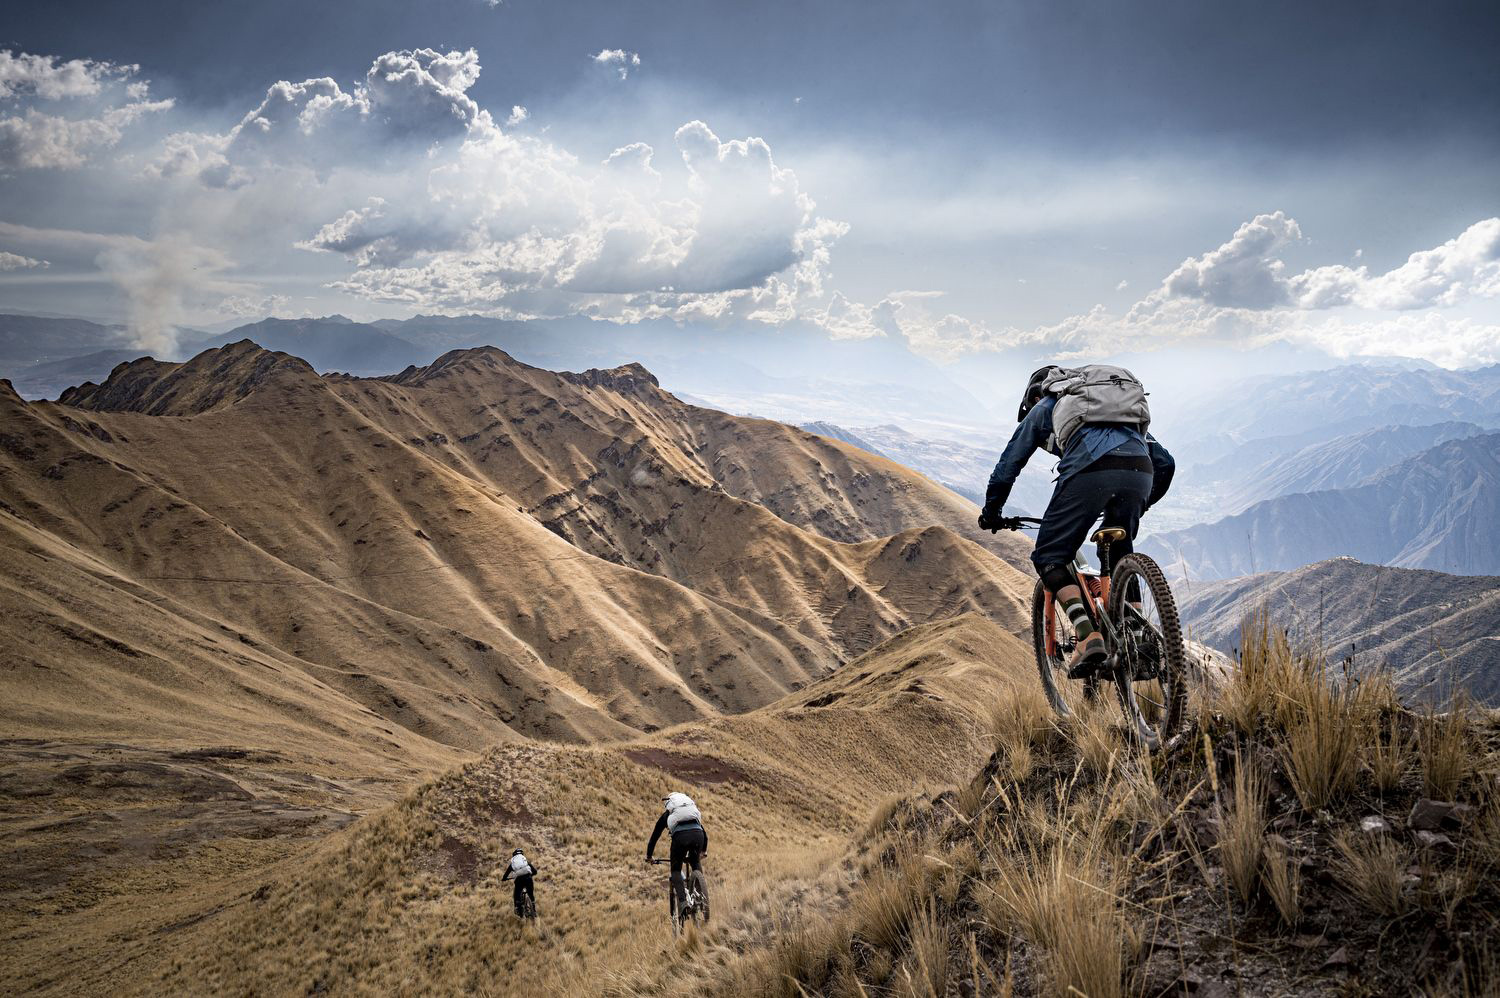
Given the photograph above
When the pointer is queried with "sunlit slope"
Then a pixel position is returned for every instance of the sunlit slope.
(584, 450)
(481, 548)
(454, 632)
(411, 901)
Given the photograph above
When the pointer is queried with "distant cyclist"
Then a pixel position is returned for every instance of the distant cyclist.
(681, 819)
(520, 867)
(1094, 418)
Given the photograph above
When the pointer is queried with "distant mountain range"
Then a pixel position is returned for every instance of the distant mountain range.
(332, 343)
(960, 467)
(1342, 462)
(1437, 510)
(1325, 434)
(1319, 405)
(872, 380)
(1431, 628)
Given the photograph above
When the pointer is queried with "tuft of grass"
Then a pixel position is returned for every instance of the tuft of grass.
(1066, 901)
(1020, 723)
(1282, 878)
(1093, 734)
(1388, 757)
(883, 909)
(926, 972)
(1373, 872)
(1243, 836)
(1325, 729)
(883, 817)
(806, 952)
(1265, 657)
(1444, 745)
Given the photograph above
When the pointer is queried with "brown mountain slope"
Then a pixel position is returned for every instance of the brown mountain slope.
(411, 901)
(388, 533)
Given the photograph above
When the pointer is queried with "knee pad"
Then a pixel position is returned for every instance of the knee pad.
(1056, 577)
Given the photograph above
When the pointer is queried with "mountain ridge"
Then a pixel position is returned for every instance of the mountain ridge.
(1432, 510)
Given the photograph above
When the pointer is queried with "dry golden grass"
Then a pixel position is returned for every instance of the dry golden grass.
(1055, 877)
(1282, 877)
(384, 907)
(883, 909)
(1325, 730)
(1388, 757)
(1020, 724)
(1065, 902)
(1263, 672)
(1242, 838)
(924, 973)
(1373, 870)
(1096, 731)
(1444, 745)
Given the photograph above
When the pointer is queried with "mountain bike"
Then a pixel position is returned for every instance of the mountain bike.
(696, 905)
(1133, 608)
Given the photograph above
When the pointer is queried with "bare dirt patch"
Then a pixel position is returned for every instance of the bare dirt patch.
(693, 768)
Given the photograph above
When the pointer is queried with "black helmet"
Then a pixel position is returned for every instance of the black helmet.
(1033, 390)
(516, 853)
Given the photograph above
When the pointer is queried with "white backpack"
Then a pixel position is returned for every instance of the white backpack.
(520, 865)
(1096, 393)
(680, 808)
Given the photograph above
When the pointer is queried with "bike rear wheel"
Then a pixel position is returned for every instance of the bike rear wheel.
(1063, 694)
(1150, 660)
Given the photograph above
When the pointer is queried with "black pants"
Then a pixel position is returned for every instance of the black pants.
(687, 850)
(523, 885)
(1120, 493)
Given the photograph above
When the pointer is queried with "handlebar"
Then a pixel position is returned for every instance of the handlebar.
(1016, 523)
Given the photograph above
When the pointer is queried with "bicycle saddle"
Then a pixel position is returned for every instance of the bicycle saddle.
(1109, 535)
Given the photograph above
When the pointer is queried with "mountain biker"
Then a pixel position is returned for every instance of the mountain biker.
(521, 867)
(680, 817)
(1114, 468)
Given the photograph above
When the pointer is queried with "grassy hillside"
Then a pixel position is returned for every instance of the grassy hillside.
(409, 899)
(1308, 836)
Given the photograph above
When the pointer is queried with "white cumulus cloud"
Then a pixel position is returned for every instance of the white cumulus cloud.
(44, 76)
(15, 261)
(516, 225)
(1246, 272)
(1242, 273)
(622, 61)
(36, 133)
(408, 97)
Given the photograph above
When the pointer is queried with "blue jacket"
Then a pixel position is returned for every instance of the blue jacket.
(1088, 443)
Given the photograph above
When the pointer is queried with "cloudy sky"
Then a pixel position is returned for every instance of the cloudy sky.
(992, 182)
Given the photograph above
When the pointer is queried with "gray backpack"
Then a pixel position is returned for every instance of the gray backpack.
(1097, 393)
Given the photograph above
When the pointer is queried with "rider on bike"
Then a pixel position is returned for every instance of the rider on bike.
(1114, 468)
(680, 817)
(521, 867)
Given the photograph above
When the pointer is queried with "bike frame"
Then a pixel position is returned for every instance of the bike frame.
(687, 890)
(1095, 589)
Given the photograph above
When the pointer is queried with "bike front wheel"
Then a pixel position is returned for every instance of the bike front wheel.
(1150, 660)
